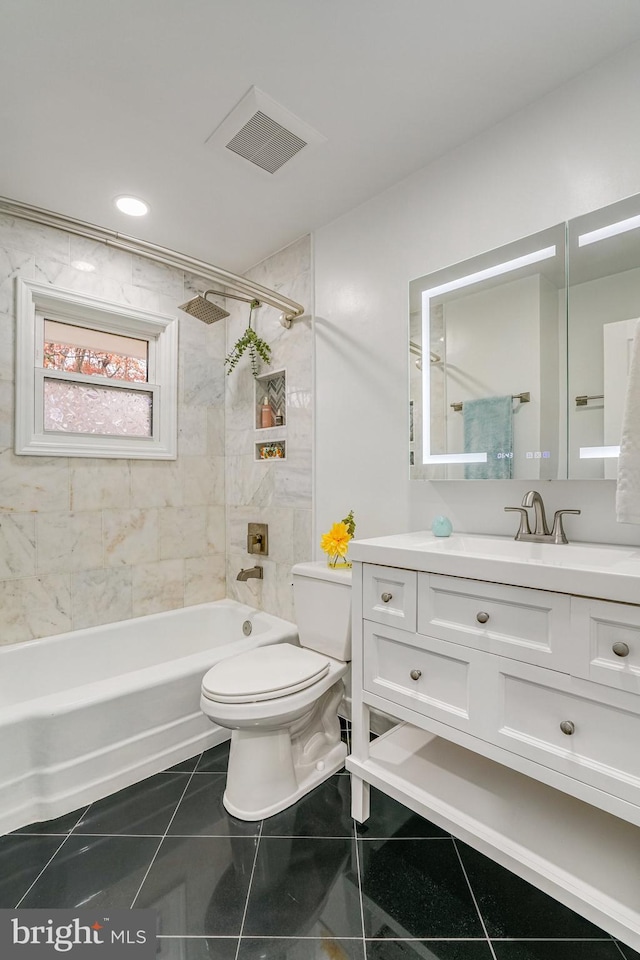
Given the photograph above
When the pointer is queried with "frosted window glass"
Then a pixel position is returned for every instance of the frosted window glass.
(93, 352)
(84, 408)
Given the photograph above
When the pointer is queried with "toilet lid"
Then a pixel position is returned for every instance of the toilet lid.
(264, 674)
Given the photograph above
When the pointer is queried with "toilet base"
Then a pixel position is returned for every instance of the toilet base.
(330, 763)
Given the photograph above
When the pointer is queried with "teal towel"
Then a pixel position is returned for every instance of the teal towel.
(488, 428)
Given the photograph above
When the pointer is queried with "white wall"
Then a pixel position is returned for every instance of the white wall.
(570, 152)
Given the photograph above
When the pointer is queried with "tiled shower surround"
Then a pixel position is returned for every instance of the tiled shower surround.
(274, 491)
(91, 541)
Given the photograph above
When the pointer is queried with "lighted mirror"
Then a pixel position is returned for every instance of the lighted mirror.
(604, 308)
(488, 365)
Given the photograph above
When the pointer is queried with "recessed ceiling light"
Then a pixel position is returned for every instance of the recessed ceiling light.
(83, 265)
(132, 206)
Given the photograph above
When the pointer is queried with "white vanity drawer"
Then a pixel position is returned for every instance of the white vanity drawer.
(389, 596)
(607, 642)
(528, 625)
(427, 675)
(578, 728)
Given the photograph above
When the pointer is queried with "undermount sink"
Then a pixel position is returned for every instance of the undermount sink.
(600, 570)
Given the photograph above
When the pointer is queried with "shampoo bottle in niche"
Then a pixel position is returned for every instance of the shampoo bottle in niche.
(266, 414)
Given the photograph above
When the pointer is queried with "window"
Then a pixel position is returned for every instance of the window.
(93, 379)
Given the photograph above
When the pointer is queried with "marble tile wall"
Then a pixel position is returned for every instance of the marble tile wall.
(277, 492)
(88, 541)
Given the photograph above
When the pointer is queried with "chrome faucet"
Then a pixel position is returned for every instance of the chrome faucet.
(541, 532)
(250, 573)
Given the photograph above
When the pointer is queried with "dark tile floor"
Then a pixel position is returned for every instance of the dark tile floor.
(306, 884)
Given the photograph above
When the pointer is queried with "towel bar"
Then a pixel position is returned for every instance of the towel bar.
(584, 400)
(522, 397)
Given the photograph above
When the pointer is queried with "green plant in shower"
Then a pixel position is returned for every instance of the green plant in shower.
(251, 342)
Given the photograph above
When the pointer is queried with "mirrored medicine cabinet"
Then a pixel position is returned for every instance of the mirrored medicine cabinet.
(519, 357)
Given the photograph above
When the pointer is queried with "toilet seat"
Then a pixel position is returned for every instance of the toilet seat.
(264, 674)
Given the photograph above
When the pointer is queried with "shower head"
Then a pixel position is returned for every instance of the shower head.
(204, 309)
(209, 312)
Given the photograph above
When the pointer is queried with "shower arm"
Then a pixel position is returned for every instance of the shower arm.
(143, 248)
(232, 296)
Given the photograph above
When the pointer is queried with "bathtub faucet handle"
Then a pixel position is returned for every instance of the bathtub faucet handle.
(258, 538)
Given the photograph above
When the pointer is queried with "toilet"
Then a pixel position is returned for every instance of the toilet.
(281, 701)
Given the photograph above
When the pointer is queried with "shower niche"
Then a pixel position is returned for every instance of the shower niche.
(271, 416)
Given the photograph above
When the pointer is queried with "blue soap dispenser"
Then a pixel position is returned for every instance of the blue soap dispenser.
(442, 527)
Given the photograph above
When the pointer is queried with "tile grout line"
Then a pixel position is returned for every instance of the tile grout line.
(473, 896)
(246, 902)
(181, 836)
(199, 773)
(81, 817)
(54, 854)
(310, 836)
(54, 833)
(136, 836)
(400, 839)
(355, 840)
(620, 950)
(273, 936)
(162, 839)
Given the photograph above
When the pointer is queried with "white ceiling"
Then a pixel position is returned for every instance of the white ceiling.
(105, 97)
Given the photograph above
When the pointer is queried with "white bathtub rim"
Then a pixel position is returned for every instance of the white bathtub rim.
(163, 615)
(154, 674)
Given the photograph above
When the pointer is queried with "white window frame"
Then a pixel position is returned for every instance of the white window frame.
(36, 301)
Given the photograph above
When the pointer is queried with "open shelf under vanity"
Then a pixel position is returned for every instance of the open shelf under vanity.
(578, 854)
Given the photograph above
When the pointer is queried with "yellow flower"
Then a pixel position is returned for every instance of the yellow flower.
(336, 541)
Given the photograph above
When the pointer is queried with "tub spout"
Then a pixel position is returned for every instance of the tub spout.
(249, 573)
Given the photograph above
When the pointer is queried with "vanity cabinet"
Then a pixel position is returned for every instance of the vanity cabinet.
(608, 647)
(527, 625)
(517, 724)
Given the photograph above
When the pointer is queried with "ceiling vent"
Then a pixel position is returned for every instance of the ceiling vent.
(266, 143)
(264, 132)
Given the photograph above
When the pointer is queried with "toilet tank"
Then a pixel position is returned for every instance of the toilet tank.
(322, 600)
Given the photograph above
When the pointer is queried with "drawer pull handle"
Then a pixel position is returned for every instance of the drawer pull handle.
(386, 597)
(620, 649)
(415, 674)
(482, 617)
(568, 727)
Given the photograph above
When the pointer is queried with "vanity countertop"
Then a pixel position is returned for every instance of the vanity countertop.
(598, 570)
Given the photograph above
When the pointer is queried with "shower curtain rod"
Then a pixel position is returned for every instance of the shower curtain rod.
(143, 248)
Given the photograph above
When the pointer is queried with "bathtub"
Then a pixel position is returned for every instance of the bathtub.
(86, 713)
